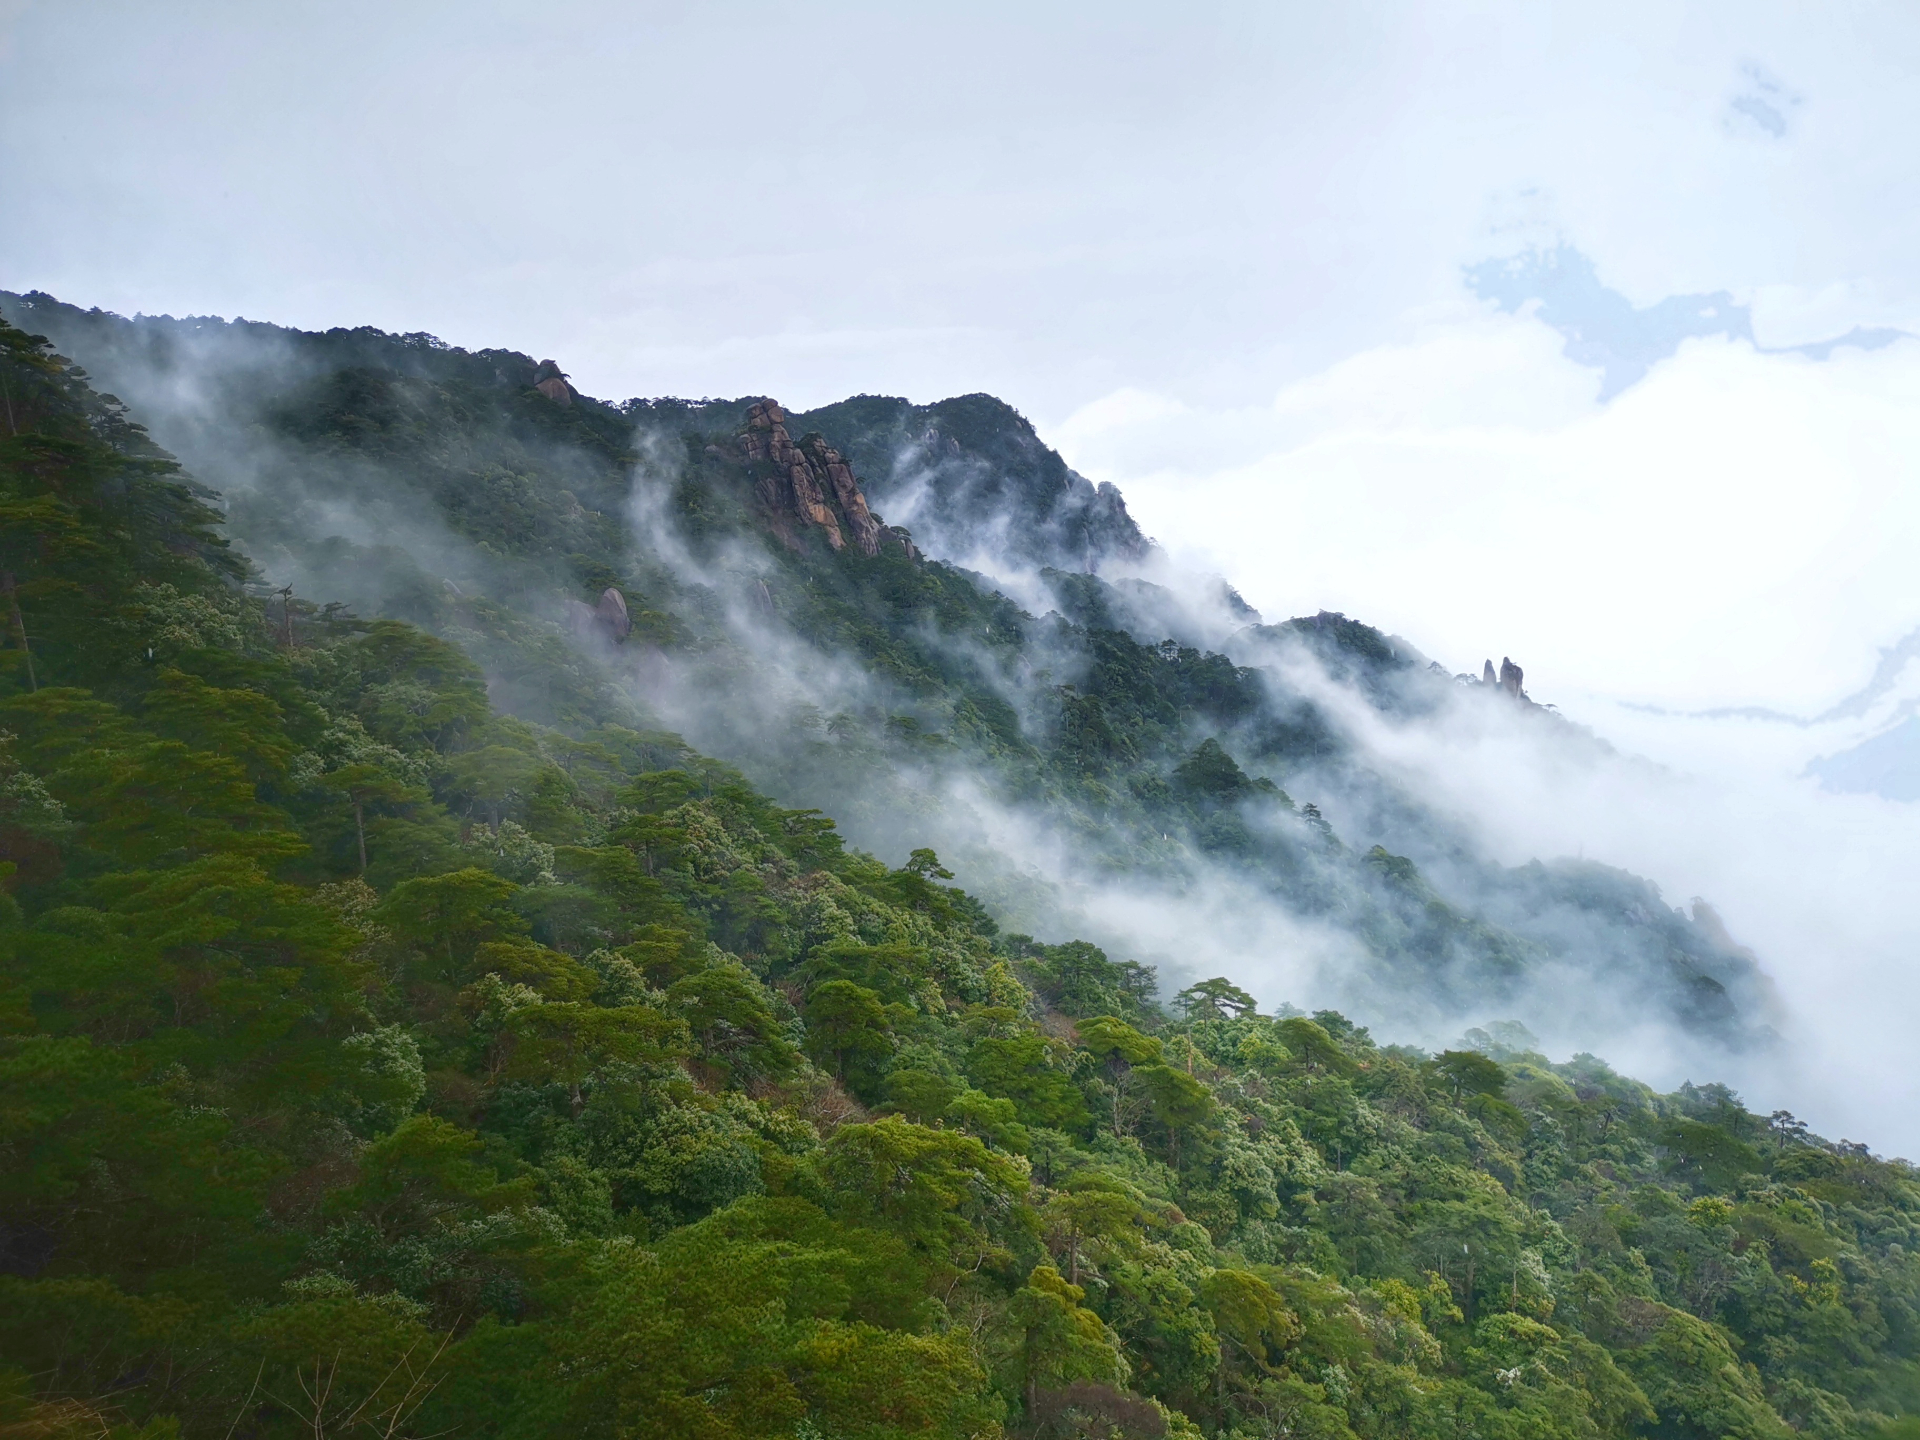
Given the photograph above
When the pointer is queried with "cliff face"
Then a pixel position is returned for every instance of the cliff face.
(805, 484)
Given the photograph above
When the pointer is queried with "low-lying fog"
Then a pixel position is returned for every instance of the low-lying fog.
(1705, 570)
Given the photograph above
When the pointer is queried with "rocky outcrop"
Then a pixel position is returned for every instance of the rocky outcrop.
(1510, 676)
(608, 618)
(550, 382)
(809, 483)
(611, 614)
(1507, 680)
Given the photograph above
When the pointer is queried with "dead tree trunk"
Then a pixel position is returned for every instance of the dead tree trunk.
(19, 625)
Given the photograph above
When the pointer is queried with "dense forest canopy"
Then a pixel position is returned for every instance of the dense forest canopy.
(385, 1053)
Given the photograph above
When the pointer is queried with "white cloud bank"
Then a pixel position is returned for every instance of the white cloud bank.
(1737, 530)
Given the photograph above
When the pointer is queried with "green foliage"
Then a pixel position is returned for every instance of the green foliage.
(939, 1190)
(373, 1061)
(1215, 999)
(725, 1332)
(848, 1023)
(1466, 1072)
(1055, 1339)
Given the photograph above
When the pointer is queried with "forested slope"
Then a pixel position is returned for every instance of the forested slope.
(376, 1062)
(1055, 733)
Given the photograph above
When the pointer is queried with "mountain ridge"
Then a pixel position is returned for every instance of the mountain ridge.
(1045, 711)
(379, 1061)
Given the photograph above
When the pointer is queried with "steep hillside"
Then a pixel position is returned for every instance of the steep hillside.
(1077, 739)
(375, 1062)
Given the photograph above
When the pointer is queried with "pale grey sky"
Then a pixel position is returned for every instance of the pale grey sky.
(1047, 201)
(1215, 250)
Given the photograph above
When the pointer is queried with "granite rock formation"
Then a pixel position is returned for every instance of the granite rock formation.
(1507, 680)
(1510, 677)
(808, 483)
(550, 382)
(608, 618)
(611, 614)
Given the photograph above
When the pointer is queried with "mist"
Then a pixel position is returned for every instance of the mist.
(1701, 571)
(1725, 533)
(1812, 881)
(1466, 782)
(1198, 917)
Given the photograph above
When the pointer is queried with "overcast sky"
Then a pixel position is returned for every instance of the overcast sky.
(1140, 225)
(1231, 257)
(1048, 201)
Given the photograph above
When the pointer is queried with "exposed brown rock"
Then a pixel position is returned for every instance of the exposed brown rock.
(550, 382)
(823, 457)
(811, 500)
(810, 483)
